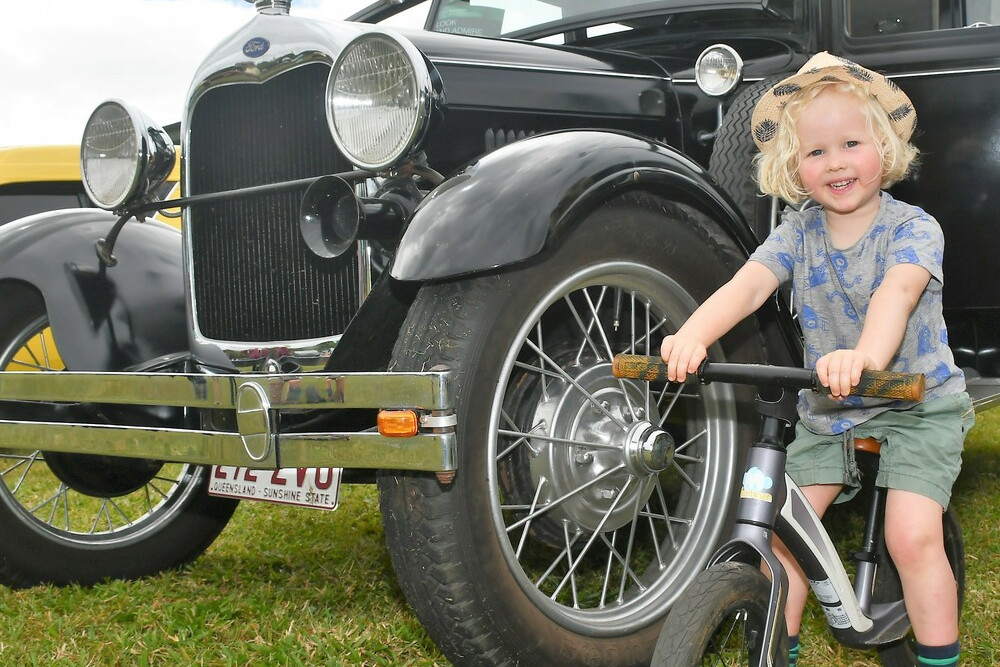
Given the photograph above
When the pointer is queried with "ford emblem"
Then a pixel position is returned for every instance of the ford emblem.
(256, 47)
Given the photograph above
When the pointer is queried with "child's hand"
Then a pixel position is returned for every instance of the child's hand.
(683, 355)
(840, 370)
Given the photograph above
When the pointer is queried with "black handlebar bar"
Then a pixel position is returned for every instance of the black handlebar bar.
(879, 384)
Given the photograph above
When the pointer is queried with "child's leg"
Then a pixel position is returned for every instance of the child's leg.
(914, 536)
(820, 496)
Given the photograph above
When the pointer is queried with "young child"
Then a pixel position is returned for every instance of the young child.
(866, 276)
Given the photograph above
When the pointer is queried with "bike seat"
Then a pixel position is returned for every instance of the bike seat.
(870, 445)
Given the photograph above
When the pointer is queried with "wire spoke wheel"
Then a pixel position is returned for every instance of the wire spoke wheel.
(583, 505)
(602, 486)
(81, 518)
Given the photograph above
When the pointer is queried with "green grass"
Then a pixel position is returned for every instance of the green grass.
(286, 586)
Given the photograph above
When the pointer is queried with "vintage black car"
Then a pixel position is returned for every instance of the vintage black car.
(408, 257)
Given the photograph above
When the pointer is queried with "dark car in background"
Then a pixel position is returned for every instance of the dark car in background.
(408, 257)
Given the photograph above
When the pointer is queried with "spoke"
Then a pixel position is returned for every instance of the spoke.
(560, 441)
(670, 407)
(631, 538)
(596, 319)
(522, 437)
(97, 517)
(738, 622)
(585, 329)
(590, 542)
(612, 552)
(27, 463)
(558, 501)
(649, 334)
(154, 487)
(572, 576)
(583, 391)
(537, 369)
(33, 366)
(555, 563)
(666, 521)
(541, 345)
(45, 349)
(527, 526)
(684, 445)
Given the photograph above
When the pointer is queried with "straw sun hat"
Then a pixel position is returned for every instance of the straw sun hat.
(826, 67)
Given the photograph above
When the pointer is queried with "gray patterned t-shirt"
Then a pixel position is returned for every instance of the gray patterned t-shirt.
(832, 288)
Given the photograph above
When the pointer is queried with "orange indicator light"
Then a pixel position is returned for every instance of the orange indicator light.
(397, 423)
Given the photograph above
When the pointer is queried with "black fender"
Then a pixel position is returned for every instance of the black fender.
(508, 205)
(102, 318)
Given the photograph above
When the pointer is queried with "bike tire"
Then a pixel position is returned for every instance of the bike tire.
(719, 620)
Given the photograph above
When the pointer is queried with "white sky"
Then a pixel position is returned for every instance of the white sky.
(59, 59)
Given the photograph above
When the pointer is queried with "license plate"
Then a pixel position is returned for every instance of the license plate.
(305, 487)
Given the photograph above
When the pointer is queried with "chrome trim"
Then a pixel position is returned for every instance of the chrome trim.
(423, 391)
(256, 399)
(307, 41)
(430, 452)
(274, 7)
(427, 97)
(542, 68)
(944, 72)
(739, 69)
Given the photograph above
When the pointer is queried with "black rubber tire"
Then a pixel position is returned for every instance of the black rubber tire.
(719, 621)
(887, 588)
(455, 550)
(90, 537)
(732, 158)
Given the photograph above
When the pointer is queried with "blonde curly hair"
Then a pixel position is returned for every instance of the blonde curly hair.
(776, 166)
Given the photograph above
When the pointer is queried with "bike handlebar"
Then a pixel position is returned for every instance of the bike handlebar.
(877, 384)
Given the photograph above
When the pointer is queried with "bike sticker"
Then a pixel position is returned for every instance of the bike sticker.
(756, 484)
(836, 616)
(825, 592)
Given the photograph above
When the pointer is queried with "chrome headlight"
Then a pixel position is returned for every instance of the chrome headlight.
(718, 70)
(378, 100)
(123, 155)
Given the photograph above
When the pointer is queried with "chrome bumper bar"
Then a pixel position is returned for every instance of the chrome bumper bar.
(255, 399)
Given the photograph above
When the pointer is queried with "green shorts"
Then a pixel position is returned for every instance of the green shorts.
(921, 450)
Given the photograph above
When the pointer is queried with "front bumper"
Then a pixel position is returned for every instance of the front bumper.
(255, 401)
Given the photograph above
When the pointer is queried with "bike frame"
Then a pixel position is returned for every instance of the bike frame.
(771, 503)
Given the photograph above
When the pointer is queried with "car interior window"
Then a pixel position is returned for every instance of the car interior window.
(14, 206)
(888, 17)
(492, 18)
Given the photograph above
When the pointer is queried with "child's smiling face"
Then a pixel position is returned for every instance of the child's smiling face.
(839, 162)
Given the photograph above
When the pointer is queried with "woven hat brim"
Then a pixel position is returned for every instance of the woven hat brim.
(899, 108)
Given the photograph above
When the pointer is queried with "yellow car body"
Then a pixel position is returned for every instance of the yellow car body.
(34, 179)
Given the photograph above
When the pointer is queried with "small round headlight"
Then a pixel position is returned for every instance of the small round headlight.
(718, 70)
(378, 100)
(123, 156)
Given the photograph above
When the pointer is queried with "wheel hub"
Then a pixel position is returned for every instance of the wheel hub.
(596, 428)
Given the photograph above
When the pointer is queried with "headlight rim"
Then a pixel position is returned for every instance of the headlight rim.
(426, 97)
(732, 84)
(154, 158)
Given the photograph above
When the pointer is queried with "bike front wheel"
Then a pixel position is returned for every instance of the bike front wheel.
(720, 620)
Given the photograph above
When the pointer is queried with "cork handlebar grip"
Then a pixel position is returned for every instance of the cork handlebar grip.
(878, 384)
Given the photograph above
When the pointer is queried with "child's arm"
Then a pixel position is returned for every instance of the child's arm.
(883, 331)
(738, 298)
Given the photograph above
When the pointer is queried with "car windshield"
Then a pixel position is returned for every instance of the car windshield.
(539, 18)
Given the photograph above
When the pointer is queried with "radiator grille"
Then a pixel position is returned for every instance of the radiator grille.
(254, 279)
